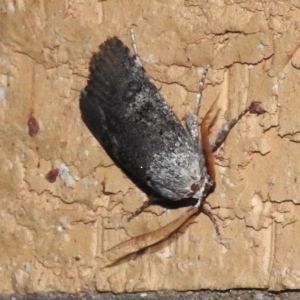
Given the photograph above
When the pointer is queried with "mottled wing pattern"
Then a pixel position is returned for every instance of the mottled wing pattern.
(129, 117)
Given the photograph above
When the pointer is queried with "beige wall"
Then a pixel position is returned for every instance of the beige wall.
(53, 233)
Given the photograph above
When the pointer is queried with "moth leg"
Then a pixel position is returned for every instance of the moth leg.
(207, 212)
(145, 205)
(192, 118)
(134, 46)
(201, 205)
(253, 108)
(200, 92)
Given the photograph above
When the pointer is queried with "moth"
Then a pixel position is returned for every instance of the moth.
(129, 117)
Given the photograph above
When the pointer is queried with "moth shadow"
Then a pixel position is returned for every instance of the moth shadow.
(169, 204)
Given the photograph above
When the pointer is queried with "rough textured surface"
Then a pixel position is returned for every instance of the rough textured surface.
(197, 295)
(52, 233)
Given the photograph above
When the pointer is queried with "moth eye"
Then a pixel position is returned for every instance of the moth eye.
(195, 187)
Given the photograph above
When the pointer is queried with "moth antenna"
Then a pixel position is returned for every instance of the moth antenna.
(148, 239)
(206, 125)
